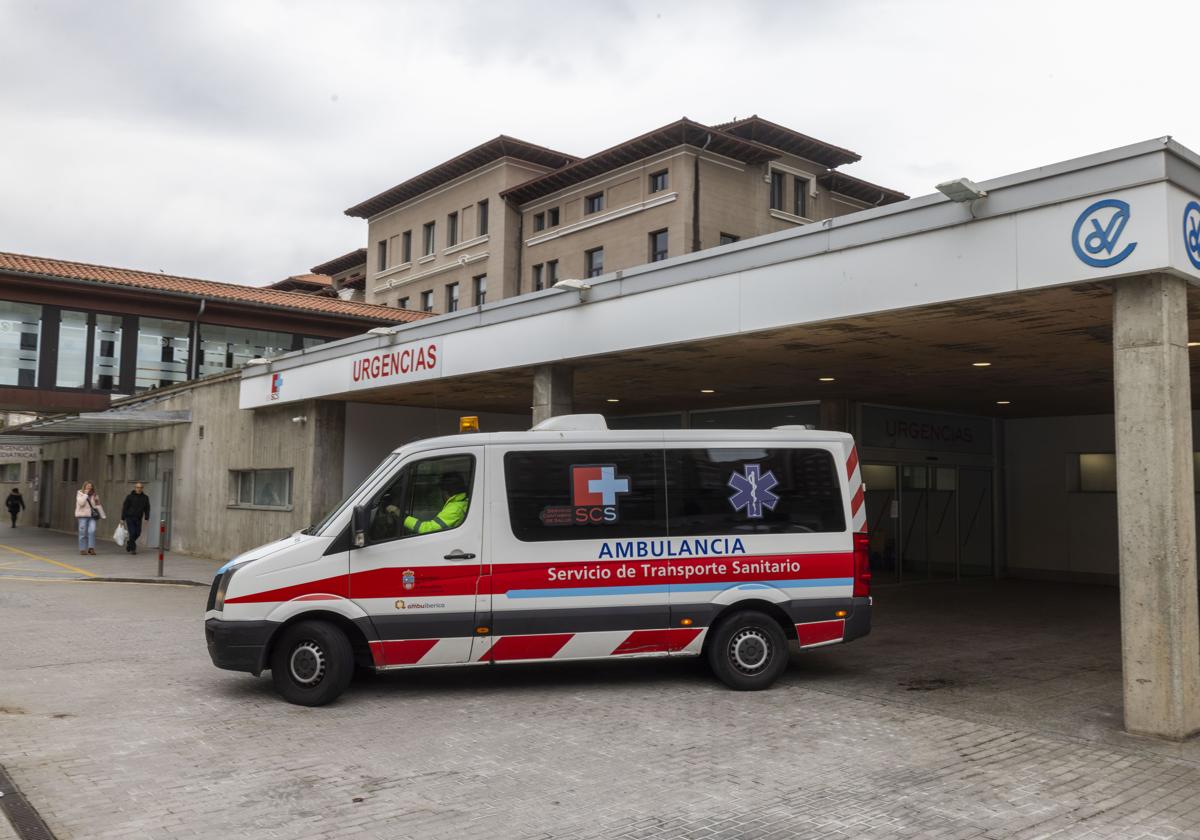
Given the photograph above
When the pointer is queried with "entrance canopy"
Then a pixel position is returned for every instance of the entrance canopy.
(99, 422)
(1001, 305)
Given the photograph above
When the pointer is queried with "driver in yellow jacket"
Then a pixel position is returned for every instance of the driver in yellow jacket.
(453, 512)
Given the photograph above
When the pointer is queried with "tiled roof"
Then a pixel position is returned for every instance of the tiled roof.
(840, 182)
(295, 301)
(781, 137)
(339, 264)
(468, 161)
(680, 132)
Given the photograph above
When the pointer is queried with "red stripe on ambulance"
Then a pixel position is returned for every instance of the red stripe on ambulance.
(526, 647)
(657, 641)
(820, 632)
(401, 652)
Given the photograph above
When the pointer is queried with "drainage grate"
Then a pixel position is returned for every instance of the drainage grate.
(20, 813)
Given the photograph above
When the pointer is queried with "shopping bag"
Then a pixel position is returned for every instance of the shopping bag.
(121, 536)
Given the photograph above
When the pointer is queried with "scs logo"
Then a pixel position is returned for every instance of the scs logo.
(276, 385)
(595, 492)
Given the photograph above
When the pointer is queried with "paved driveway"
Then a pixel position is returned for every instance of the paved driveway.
(971, 711)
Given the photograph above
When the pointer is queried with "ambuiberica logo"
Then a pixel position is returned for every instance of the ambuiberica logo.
(595, 495)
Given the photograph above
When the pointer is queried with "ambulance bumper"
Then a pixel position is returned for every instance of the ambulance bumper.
(238, 645)
(858, 623)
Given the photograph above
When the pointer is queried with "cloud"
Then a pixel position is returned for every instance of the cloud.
(223, 139)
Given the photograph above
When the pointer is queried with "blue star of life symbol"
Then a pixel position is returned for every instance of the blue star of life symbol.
(752, 491)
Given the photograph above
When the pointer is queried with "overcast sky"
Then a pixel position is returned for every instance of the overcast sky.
(223, 139)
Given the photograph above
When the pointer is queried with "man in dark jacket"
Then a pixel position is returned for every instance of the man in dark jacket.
(15, 504)
(135, 509)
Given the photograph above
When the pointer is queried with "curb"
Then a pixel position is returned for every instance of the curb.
(168, 581)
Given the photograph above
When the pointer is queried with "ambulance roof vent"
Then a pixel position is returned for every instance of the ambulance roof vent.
(573, 423)
(807, 427)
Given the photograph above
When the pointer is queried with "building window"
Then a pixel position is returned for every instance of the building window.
(658, 181)
(551, 273)
(452, 297)
(658, 246)
(800, 208)
(75, 469)
(593, 203)
(271, 489)
(729, 238)
(552, 217)
(538, 278)
(402, 303)
(11, 473)
(227, 348)
(483, 217)
(382, 253)
(593, 262)
(66, 470)
(539, 222)
(480, 283)
(162, 352)
(427, 241)
(72, 349)
(776, 190)
(451, 229)
(106, 353)
(406, 246)
(20, 340)
(427, 301)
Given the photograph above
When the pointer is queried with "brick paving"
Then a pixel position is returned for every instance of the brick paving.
(115, 725)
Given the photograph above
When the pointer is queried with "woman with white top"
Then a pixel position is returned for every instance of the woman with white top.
(87, 513)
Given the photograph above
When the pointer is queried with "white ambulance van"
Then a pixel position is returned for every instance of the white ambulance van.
(565, 542)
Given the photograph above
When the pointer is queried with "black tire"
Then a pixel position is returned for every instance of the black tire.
(312, 663)
(748, 651)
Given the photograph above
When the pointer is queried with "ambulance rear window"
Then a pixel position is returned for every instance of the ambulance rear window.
(753, 491)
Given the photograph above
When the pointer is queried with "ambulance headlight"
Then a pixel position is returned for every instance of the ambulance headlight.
(221, 586)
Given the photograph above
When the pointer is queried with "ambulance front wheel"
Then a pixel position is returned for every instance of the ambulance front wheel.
(312, 663)
(748, 651)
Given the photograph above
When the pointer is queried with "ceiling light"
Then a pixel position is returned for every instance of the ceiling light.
(826, 379)
(610, 399)
(961, 189)
(1003, 402)
(981, 364)
(707, 391)
(1194, 344)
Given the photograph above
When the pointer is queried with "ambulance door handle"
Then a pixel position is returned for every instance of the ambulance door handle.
(459, 555)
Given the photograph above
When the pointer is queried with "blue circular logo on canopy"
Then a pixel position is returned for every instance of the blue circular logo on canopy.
(1191, 231)
(1097, 233)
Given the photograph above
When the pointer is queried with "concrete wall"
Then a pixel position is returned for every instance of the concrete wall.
(219, 439)
(1055, 531)
(372, 431)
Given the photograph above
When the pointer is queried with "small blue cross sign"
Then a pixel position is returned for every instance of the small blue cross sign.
(752, 491)
(1098, 230)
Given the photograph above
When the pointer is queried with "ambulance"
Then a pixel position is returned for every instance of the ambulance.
(566, 542)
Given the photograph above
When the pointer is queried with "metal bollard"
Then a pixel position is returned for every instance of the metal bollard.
(162, 531)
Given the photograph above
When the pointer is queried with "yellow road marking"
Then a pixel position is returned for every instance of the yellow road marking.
(3, 578)
(48, 560)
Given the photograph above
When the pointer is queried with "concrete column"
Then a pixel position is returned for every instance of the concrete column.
(1160, 628)
(553, 391)
(835, 415)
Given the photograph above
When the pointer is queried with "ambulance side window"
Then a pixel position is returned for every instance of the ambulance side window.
(420, 491)
(739, 491)
(591, 494)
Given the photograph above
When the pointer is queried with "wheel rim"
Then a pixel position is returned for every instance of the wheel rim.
(307, 663)
(750, 650)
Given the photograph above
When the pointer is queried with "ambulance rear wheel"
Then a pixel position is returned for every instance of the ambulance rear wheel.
(312, 663)
(748, 651)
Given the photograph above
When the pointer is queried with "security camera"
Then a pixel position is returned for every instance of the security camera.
(300, 420)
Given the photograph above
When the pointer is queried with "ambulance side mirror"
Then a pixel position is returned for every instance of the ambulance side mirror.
(358, 527)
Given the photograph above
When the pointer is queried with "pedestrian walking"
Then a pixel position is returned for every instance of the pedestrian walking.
(134, 510)
(88, 512)
(15, 504)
